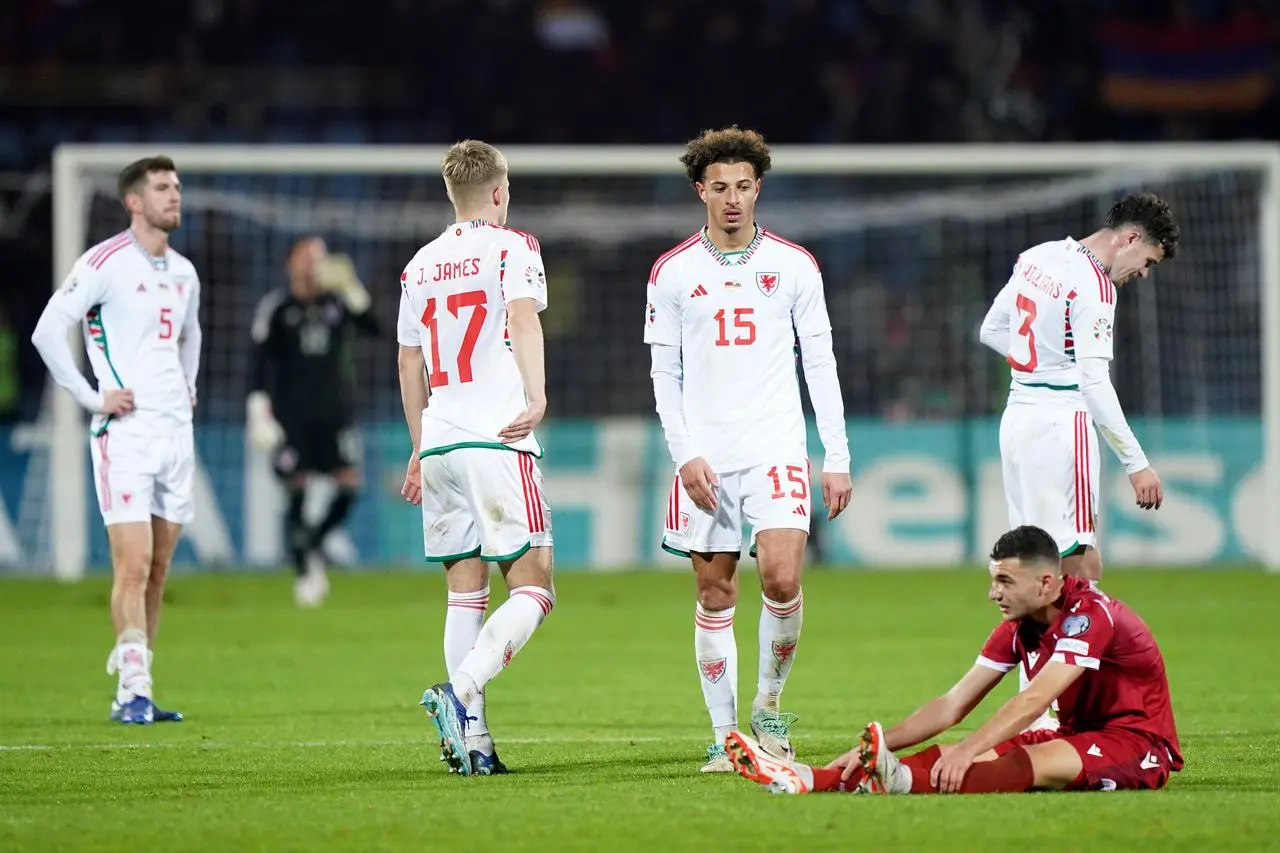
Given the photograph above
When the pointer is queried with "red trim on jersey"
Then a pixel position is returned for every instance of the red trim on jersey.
(1106, 288)
(1084, 482)
(529, 239)
(784, 241)
(108, 248)
(671, 253)
(104, 470)
(532, 497)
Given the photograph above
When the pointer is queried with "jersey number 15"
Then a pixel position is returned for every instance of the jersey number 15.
(455, 302)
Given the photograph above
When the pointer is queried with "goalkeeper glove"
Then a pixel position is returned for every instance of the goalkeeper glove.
(337, 274)
(265, 433)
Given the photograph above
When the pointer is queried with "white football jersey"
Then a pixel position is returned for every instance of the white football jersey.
(1061, 306)
(453, 304)
(135, 308)
(736, 319)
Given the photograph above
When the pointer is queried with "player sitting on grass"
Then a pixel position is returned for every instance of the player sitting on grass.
(1090, 652)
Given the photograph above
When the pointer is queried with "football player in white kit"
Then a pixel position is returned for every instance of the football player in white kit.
(725, 310)
(469, 329)
(138, 303)
(1054, 323)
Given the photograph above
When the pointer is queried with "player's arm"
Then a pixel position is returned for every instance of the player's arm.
(995, 326)
(818, 360)
(935, 716)
(1093, 321)
(191, 340)
(667, 372)
(265, 433)
(526, 296)
(1024, 708)
(81, 290)
(940, 714)
(412, 367)
(525, 330)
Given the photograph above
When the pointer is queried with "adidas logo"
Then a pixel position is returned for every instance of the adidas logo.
(698, 291)
(800, 510)
(142, 288)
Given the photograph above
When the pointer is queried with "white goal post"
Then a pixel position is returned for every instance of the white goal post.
(70, 499)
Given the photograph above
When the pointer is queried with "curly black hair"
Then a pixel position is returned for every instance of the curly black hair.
(1026, 543)
(727, 145)
(1150, 213)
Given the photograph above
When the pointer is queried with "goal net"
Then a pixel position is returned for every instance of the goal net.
(914, 243)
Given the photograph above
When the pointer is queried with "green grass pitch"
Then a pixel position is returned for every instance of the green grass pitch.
(303, 730)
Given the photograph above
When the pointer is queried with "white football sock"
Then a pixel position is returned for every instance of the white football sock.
(780, 624)
(131, 659)
(501, 638)
(717, 656)
(462, 620)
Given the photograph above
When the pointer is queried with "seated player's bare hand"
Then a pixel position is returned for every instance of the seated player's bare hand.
(837, 491)
(412, 488)
(848, 763)
(525, 424)
(1147, 490)
(949, 771)
(116, 401)
(700, 483)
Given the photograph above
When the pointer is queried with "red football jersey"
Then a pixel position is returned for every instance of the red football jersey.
(1124, 685)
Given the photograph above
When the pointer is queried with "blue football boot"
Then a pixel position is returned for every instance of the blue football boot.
(449, 716)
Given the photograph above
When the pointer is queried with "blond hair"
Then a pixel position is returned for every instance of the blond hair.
(470, 167)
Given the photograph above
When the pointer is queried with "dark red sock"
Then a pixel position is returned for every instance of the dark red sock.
(1010, 773)
(921, 764)
(829, 780)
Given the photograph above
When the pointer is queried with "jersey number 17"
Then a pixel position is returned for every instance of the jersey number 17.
(455, 303)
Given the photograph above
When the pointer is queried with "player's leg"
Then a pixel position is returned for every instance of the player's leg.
(294, 460)
(451, 538)
(776, 503)
(338, 455)
(164, 539)
(468, 599)
(172, 508)
(123, 479)
(1084, 560)
(712, 541)
(506, 503)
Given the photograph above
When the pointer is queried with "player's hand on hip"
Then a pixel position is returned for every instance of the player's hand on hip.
(700, 483)
(525, 423)
(837, 491)
(1147, 489)
(116, 401)
(412, 488)
(847, 764)
(948, 771)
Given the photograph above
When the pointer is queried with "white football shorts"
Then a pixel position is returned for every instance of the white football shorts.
(1049, 456)
(140, 476)
(765, 497)
(483, 502)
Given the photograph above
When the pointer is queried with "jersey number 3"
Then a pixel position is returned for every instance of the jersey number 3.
(1026, 311)
(456, 302)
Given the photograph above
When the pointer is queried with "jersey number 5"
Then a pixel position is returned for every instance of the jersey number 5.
(742, 324)
(455, 302)
(166, 324)
(1027, 311)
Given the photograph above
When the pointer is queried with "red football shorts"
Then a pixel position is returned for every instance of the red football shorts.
(1114, 760)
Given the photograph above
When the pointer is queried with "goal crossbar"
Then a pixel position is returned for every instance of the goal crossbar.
(74, 162)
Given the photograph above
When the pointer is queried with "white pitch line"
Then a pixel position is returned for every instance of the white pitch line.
(423, 741)
(322, 744)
